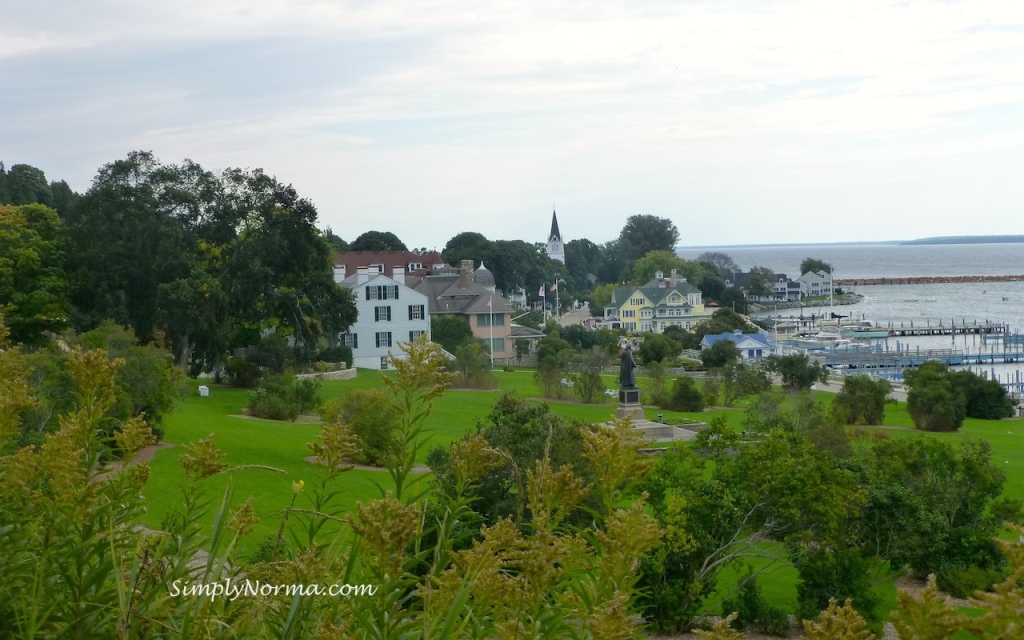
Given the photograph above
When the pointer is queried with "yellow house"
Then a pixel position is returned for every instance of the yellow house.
(662, 302)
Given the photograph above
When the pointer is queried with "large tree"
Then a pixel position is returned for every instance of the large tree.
(468, 245)
(584, 261)
(722, 263)
(179, 249)
(25, 184)
(378, 241)
(33, 287)
(760, 281)
(644, 233)
(813, 265)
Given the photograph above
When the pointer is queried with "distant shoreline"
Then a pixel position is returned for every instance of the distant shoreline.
(841, 282)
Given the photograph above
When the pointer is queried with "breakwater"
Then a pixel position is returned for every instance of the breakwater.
(847, 282)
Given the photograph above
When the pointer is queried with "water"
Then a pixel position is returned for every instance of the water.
(918, 303)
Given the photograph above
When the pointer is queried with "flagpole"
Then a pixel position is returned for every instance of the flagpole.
(558, 307)
(490, 305)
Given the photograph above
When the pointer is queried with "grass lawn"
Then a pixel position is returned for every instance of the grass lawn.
(282, 445)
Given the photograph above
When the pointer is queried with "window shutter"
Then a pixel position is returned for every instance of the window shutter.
(410, 312)
(396, 292)
(367, 293)
(355, 340)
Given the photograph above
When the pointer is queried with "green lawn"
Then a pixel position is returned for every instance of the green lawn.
(283, 446)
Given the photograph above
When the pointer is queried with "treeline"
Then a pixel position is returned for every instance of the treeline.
(204, 263)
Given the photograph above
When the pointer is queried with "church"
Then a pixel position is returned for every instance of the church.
(556, 248)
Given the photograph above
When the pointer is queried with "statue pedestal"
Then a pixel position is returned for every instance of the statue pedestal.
(629, 405)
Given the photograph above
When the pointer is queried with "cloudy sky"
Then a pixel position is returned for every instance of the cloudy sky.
(744, 121)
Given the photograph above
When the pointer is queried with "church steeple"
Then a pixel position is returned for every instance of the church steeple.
(556, 248)
(555, 234)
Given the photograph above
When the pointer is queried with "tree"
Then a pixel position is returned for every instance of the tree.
(176, 248)
(721, 353)
(733, 298)
(797, 370)
(644, 233)
(450, 332)
(645, 268)
(468, 245)
(372, 419)
(601, 297)
(334, 240)
(586, 374)
(933, 401)
(33, 288)
(760, 281)
(722, 263)
(584, 260)
(377, 241)
(553, 354)
(862, 400)
(685, 396)
(26, 184)
(738, 379)
(658, 348)
(472, 362)
(985, 399)
(723, 320)
(813, 265)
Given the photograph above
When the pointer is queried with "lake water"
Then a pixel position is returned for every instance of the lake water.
(919, 303)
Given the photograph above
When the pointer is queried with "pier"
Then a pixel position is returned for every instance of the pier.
(943, 329)
(848, 282)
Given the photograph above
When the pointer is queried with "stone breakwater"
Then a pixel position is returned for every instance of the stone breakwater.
(849, 298)
(845, 282)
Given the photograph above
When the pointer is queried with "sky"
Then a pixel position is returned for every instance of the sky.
(742, 121)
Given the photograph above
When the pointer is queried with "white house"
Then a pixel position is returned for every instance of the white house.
(815, 284)
(389, 313)
(751, 345)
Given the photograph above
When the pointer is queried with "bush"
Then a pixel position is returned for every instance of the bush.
(284, 398)
(243, 373)
(753, 611)
(685, 396)
(372, 419)
(963, 582)
(839, 574)
(710, 389)
(337, 354)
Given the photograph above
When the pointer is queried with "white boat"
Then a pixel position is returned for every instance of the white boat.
(863, 329)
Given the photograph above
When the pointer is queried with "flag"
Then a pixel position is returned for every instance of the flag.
(554, 287)
(489, 300)
(541, 292)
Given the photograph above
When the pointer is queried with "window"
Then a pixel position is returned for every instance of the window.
(382, 314)
(382, 292)
(484, 319)
(629, 326)
(636, 302)
(383, 363)
(379, 268)
(415, 266)
(629, 313)
(497, 345)
(383, 338)
(351, 340)
(413, 335)
(415, 311)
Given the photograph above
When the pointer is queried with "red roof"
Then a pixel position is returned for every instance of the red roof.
(352, 260)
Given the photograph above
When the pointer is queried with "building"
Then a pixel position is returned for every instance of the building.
(661, 303)
(751, 345)
(815, 284)
(389, 312)
(783, 289)
(556, 248)
(470, 295)
(346, 263)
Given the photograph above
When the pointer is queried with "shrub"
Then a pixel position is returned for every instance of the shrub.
(711, 390)
(752, 610)
(243, 373)
(837, 574)
(337, 354)
(284, 398)
(685, 396)
(962, 581)
(372, 419)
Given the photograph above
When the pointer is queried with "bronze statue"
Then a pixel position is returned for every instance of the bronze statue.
(627, 370)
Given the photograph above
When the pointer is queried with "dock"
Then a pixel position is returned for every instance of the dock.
(948, 329)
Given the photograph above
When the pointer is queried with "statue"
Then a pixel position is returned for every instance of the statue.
(627, 370)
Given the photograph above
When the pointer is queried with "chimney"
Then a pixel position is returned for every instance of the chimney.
(362, 275)
(398, 275)
(673, 276)
(465, 274)
(339, 273)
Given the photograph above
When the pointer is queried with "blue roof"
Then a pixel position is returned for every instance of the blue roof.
(736, 337)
